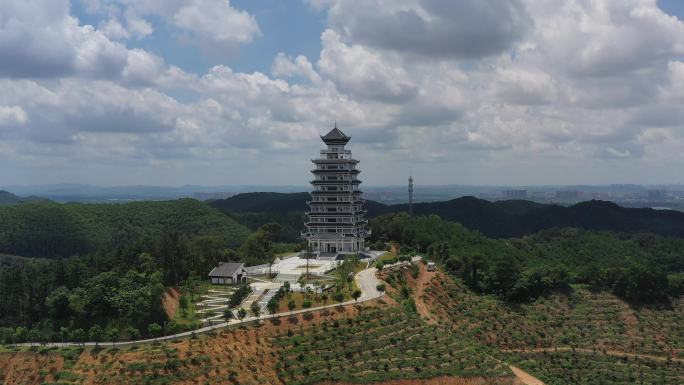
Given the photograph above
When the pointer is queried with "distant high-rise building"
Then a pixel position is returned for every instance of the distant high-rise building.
(336, 217)
(515, 194)
(657, 195)
(569, 195)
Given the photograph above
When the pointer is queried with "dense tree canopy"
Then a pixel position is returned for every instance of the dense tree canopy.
(639, 267)
(54, 230)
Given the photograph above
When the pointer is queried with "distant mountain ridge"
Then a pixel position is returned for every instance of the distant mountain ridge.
(500, 219)
(7, 198)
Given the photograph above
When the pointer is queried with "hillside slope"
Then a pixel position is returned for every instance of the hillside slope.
(374, 342)
(581, 337)
(52, 229)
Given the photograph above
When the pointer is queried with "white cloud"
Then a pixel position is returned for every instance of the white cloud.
(364, 72)
(436, 28)
(10, 115)
(579, 85)
(301, 66)
(216, 23)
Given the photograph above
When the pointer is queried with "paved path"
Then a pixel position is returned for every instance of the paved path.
(525, 377)
(365, 280)
(368, 283)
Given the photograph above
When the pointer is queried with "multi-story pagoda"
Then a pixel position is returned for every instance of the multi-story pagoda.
(337, 215)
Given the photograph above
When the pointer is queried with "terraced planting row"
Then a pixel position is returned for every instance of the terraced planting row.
(237, 356)
(581, 319)
(380, 344)
(562, 368)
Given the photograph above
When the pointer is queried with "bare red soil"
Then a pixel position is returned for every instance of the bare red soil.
(171, 301)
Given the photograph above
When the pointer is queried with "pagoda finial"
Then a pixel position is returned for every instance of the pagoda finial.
(335, 123)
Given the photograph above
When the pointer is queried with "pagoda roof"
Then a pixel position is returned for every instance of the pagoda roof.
(335, 136)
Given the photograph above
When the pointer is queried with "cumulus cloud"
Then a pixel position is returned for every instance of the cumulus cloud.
(285, 66)
(436, 28)
(498, 89)
(362, 71)
(217, 23)
(41, 39)
(29, 50)
(214, 25)
(10, 115)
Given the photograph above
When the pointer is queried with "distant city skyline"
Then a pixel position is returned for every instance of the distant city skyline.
(218, 92)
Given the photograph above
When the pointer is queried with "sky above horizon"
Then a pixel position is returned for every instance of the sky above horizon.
(217, 92)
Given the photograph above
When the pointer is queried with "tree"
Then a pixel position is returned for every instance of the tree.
(113, 335)
(302, 285)
(154, 329)
(64, 333)
(171, 327)
(183, 303)
(95, 333)
(79, 335)
(286, 286)
(20, 334)
(306, 305)
(324, 297)
(241, 313)
(227, 314)
(291, 305)
(381, 288)
(133, 333)
(339, 297)
(356, 294)
(256, 309)
(272, 306)
(57, 303)
(316, 285)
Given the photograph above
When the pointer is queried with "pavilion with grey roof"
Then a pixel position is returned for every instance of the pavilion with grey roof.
(228, 273)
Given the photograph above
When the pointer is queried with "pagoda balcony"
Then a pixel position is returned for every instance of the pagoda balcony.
(334, 161)
(330, 213)
(338, 181)
(330, 224)
(337, 193)
(320, 171)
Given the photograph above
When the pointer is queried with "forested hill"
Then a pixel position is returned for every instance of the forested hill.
(53, 229)
(516, 218)
(287, 209)
(263, 202)
(502, 219)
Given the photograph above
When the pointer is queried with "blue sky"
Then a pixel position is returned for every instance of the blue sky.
(215, 92)
(292, 27)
